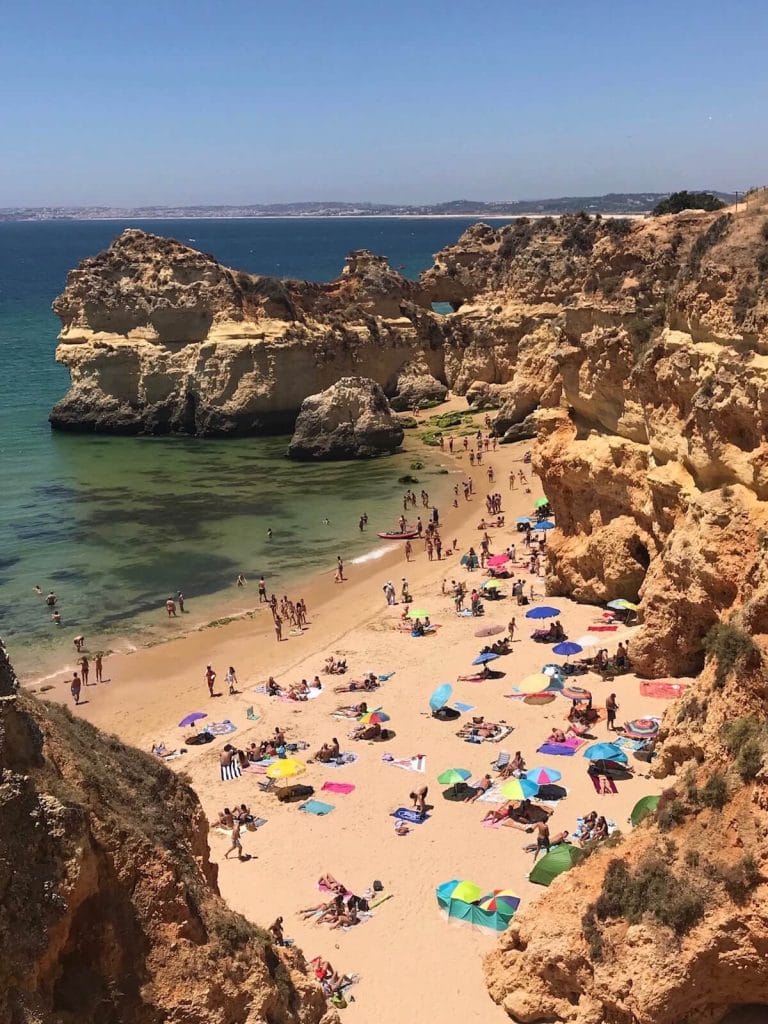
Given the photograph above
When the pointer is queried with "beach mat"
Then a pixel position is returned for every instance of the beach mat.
(567, 749)
(316, 807)
(662, 688)
(598, 788)
(344, 759)
(408, 764)
(338, 787)
(220, 728)
(412, 817)
(460, 706)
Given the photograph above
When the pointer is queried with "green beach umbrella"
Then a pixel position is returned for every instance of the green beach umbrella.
(559, 859)
(645, 805)
(453, 776)
(541, 502)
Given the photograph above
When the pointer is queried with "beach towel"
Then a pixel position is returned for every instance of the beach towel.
(492, 795)
(251, 715)
(230, 771)
(412, 817)
(463, 707)
(408, 764)
(567, 749)
(602, 629)
(598, 785)
(312, 694)
(256, 769)
(256, 824)
(385, 677)
(316, 807)
(629, 744)
(220, 728)
(662, 688)
(338, 787)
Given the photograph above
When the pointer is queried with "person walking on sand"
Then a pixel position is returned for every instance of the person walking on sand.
(236, 843)
(210, 678)
(231, 680)
(408, 550)
(99, 667)
(74, 688)
(611, 708)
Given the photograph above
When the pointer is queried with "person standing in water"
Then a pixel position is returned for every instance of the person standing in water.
(180, 599)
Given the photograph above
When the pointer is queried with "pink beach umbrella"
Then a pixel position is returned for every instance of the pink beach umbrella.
(496, 560)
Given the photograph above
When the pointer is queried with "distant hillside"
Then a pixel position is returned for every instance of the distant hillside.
(614, 202)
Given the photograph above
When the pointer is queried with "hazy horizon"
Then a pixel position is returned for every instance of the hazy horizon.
(191, 103)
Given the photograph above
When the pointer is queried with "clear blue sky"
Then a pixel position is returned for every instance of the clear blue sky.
(164, 101)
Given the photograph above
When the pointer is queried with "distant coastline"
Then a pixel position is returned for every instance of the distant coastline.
(615, 204)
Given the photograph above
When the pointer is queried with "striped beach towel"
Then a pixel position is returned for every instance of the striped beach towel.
(230, 771)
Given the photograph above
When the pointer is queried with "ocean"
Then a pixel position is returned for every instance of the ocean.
(115, 525)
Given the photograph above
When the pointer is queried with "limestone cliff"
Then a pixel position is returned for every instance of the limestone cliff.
(670, 925)
(110, 910)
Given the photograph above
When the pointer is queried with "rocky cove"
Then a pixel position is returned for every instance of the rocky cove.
(634, 353)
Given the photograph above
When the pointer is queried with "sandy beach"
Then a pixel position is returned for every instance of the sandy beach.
(406, 950)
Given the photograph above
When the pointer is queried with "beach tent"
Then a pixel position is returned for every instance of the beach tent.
(440, 697)
(644, 806)
(559, 859)
(461, 901)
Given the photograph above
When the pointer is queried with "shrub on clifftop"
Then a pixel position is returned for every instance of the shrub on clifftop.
(686, 200)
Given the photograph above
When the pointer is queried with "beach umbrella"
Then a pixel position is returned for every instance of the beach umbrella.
(519, 789)
(481, 659)
(544, 525)
(576, 693)
(535, 699)
(496, 560)
(490, 631)
(453, 776)
(440, 697)
(541, 502)
(644, 806)
(567, 648)
(500, 901)
(588, 640)
(543, 776)
(465, 891)
(418, 613)
(191, 718)
(641, 728)
(285, 768)
(491, 585)
(620, 604)
(374, 718)
(605, 752)
(542, 612)
(559, 859)
(536, 683)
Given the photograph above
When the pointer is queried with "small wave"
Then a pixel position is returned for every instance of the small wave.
(372, 556)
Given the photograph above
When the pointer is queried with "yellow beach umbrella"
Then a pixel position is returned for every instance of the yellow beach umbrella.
(285, 768)
(536, 683)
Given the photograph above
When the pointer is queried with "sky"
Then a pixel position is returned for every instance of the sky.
(193, 101)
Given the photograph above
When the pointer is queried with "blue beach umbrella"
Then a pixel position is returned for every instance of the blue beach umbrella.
(544, 525)
(605, 752)
(481, 659)
(543, 612)
(441, 696)
(567, 647)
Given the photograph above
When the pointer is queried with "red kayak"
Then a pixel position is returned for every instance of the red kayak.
(408, 535)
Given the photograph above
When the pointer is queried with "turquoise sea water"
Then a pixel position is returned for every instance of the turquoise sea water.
(113, 525)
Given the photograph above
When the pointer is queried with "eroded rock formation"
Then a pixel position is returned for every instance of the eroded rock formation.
(691, 945)
(349, 420)
(110, 909)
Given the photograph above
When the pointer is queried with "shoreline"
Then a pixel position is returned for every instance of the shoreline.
(635, 215)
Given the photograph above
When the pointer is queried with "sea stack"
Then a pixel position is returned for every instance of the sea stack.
(352, 419)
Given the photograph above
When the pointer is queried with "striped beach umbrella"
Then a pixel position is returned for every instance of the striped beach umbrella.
(374, 718)
(576, 693)
(500, 901)
(641, 728)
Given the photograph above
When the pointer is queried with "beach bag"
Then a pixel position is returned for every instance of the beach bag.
(378, 886)
(289, 794)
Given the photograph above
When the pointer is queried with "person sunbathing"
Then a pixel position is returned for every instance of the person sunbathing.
(243, 814)
(366, 732)
(273, 689)
(347, 918)
(499, 813)
(324, 753)
(354, 685)
(556, 736)
(515, 768)
(600, 831)
(478, 789)
(331, 883)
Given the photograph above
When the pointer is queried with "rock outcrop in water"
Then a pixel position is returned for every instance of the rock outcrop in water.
(110, 909)
(349, 420)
